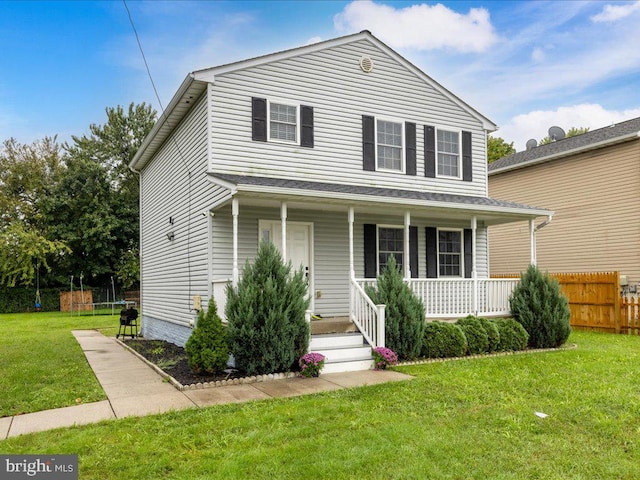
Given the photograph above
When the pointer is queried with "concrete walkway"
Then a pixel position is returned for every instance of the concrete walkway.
(135, 389)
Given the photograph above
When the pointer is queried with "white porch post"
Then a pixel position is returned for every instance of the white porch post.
(283, 222)
(234, 214)
(532, 235)
(352, 270)
(407, 263)
(474, 273)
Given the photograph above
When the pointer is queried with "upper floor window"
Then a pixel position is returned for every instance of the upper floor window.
(283, 122)
(448, 153)
(389, 145)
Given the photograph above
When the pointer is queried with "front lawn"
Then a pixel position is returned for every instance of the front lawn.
(41, 363)
(473, 418)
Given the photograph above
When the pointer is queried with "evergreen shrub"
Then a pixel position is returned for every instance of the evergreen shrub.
(207, 349)
(542, 309)
(477, 338)
(443, 340)
(404, 315)
(513, 336)
(267, 329)
(493, 334)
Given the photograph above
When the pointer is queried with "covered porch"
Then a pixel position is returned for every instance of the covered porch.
(440, 241)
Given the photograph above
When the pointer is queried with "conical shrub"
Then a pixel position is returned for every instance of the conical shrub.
(541, 308)
(266, 314)
(207, 349)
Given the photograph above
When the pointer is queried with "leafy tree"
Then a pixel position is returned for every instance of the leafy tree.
(498, 148)
(22, 251)
(207, 349)
(404, 314)
(542, 309)
(572, 132)
(266, 314)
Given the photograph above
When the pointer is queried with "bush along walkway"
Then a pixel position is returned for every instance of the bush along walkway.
(134, 389)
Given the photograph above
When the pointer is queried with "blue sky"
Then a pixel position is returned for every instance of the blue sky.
(525, 65)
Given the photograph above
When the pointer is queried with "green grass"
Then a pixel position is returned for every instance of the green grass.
(41, 363)
(455, 420)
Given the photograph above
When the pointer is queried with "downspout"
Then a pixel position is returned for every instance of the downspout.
(534, 241)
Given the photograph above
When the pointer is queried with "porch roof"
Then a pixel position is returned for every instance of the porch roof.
(491, 211)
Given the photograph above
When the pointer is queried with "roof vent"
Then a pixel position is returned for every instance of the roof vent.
(366, 64)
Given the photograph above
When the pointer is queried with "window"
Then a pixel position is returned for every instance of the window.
(283, 122)
(448, 153)
(450, 253)
(389, 145)
(390, 243)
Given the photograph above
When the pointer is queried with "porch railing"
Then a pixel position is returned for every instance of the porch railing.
(366, 315)
(452, 298)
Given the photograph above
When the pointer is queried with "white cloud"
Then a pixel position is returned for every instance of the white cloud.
(612, 13)
(537, 55)
(422, 27)
(314, 40)
(536, 124)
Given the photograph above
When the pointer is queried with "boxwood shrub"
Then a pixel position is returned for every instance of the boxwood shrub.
(513, 336)
(443, 340)
(493, 334)
(477, 338)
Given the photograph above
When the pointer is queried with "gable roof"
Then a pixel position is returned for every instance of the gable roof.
(602, 137)
(196, 83)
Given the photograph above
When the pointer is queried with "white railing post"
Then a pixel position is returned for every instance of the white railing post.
(307, 318)
(234, 214)
(381, 331)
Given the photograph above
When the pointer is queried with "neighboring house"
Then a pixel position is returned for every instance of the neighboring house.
(343, 154)
(592, 182)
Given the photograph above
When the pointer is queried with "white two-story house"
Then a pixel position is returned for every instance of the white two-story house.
(343, 154)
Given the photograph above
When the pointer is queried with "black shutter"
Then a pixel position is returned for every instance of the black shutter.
(468, 252)
(306, 122)
(413, 251)
(410, 147)
(467, 164)
(259, 119)
(432, 252)
(368, 143)
(370, 251)
(429, 151)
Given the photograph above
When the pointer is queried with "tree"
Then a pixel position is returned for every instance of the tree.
(22, 251)
(573, 131)
(498, 148)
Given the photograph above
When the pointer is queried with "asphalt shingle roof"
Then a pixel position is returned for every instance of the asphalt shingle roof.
(559, 147)
(371, 191)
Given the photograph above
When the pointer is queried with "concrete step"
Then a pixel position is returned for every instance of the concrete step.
(348, 366)
(335, 340)
(332, 325)
(345, 353)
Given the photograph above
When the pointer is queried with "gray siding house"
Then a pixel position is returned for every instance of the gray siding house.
(343, 154)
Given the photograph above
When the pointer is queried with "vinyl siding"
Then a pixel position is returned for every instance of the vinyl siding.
(174, 271)
(332, 82)
(595, 196)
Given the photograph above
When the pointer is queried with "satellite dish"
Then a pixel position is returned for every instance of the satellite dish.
(556, 133)
(533, 143)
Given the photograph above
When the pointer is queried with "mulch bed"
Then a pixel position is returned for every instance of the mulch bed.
(172, 359)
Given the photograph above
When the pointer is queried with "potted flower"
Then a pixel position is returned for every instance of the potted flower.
(311, 364)
(383, 357)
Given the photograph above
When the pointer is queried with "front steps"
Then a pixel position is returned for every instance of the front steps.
(344, 352)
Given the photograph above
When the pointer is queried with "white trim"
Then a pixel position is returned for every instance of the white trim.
(451, 130)
(288, 103)
(403, 163)
(450, 229)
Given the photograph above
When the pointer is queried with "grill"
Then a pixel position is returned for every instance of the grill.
(128, 318)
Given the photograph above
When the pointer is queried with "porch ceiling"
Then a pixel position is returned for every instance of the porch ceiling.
(268, 191)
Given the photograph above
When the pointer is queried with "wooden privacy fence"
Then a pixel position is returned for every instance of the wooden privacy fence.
(594, 300)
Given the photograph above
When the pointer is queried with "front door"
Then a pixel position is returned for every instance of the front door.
(299, 246)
